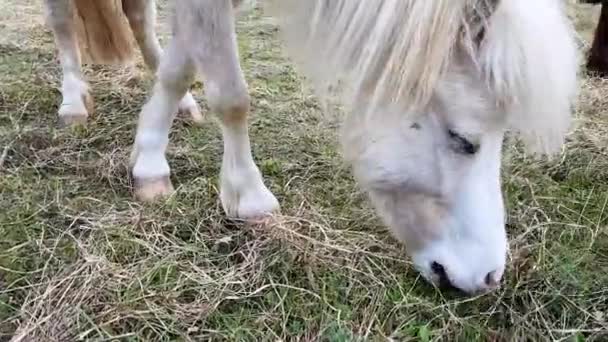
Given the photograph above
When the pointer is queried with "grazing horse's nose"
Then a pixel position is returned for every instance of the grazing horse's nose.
(490, 281)
(444, 280)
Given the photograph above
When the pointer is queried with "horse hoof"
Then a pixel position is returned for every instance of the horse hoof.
(76, 114)
(195, 114)
(150, 190)
(71, 120)
(253, 205)
(189, 107)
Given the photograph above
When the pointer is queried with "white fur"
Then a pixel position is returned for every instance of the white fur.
(531, 60)
(377, 49)
(420, 94)
(74, 91)
(529, 56)
(157, 116)
(242, 190)
(148, 156)
(446, 207)
(142, 18)
(476, 243)
(410, 71)
(73, 88)
(189, 106)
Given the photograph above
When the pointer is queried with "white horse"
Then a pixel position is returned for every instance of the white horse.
(428, 87)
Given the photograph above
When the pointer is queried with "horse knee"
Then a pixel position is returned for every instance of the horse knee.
(230, 106)
(175, 75)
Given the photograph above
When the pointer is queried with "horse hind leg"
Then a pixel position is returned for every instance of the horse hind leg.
(76, 101)
(142, 18)
(242, 190)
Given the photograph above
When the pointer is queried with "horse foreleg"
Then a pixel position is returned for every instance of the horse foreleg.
(142, 19)
(150, 167)
(76, 103)
(597, 61)
(214, 52)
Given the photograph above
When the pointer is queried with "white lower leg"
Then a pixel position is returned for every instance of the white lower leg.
(242, 190)
(76, 102)
(215, 54)
(150, 167)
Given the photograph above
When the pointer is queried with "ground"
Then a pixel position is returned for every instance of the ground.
(80, 259)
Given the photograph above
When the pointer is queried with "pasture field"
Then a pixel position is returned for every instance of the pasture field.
(80, 259)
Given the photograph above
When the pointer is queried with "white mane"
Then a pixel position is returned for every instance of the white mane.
(380, 51)
(530, 60)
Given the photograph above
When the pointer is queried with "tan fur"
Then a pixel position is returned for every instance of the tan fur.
(103, 31)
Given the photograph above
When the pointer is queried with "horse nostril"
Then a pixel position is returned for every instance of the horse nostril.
(491, 280)
(439, 270)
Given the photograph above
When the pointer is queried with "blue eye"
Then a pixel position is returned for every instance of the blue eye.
(461, 145)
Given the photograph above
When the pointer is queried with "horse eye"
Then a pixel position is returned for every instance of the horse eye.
(461, 145)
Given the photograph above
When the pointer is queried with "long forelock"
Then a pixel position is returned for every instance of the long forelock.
(380, 50)
(375, 52)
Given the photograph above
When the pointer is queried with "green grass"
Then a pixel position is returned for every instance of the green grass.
(79, 258)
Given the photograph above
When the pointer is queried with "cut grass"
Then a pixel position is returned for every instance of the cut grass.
(80, 259)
